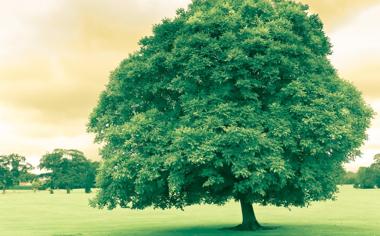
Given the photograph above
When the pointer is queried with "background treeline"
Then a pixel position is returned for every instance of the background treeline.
(61, 169)
(69, 169)
(366, 177)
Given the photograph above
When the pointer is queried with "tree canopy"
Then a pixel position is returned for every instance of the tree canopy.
(369, 177)
(228, 100)
(13, 169)
(68, 169)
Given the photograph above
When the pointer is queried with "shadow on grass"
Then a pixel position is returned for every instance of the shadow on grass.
(272, 230)
(67, 234)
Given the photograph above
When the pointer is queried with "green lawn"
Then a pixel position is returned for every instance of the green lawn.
(356, 212)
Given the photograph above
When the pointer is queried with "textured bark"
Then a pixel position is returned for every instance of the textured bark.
(250, 222)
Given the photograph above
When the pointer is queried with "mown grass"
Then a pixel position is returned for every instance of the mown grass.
(356, 212)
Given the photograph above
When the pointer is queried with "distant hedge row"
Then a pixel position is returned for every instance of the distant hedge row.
(17, 187)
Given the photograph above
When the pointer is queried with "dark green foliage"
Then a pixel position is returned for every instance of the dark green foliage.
(13, 169)
(27, 177)
(348, 178)
(369, 177)
(87, 176)
(68, 169)
(366, 178)
(376, 168)
(229, 100)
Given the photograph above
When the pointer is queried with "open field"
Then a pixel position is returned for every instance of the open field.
(356, 212)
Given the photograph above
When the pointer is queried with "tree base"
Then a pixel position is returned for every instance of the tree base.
(247, 227)
(250, 227)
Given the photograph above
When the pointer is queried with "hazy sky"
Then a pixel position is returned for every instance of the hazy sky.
(56, 55)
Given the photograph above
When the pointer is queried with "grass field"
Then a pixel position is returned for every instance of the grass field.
(356, 212)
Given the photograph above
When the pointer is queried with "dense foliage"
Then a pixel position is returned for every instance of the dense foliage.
(68, 169)
(369, 177)
(348, 178)
(13, 169)
(228, 100)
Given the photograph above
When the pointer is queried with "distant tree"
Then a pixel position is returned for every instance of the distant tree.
(86, 175)
(13, 168)
(67, 169)
(36, 184)
(229, 100)
(27, 176)
(376, 168)
(47, 181)
(90, 176)
(369, 177)
(366, 178)
(348, 177)
(376, 159)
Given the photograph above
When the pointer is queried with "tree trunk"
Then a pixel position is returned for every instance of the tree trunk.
(4, 190)
(87, 189)
(68, 191)
(250, 222)
(51, 191)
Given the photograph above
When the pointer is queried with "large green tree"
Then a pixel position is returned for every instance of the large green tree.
(228, 100)
(13, 169)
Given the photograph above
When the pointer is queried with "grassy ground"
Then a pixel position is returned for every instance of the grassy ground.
(356, 212)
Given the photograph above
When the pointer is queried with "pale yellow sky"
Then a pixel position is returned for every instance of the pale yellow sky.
(56, 55)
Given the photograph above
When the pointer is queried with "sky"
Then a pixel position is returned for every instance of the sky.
(56, 56)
